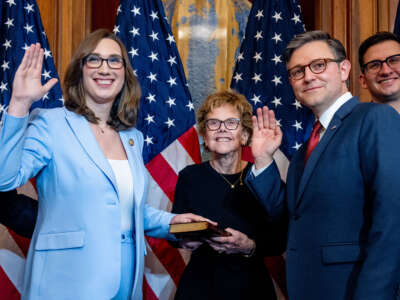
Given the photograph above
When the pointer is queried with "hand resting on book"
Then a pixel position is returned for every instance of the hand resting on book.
(236, 243)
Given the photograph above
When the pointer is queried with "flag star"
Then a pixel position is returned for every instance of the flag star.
(46, 74)
(61, 99)
(258, 35)
(5, 65)
(256, 78)
(9, 23)
(134, 31)
(135, 72)
(152, 77)
(2, 109)
(3, 86)
(297, 104)
(116, 29)
(29, 8)
(296, 19)
(11, 2)
(134, 52)
(278, 123)
(148, 140)
(44, 33)
(276, 101)
(136, 11)
(190, 105)
(28, 28)
(172, 81)
(47, 53)
(277, 80)
(154, 15)
(297, 146)
(7, 44)
(151, 98)
(259, 14)
(297, 125)
(25, 47)
(149, 119)
(170, 39)
(240, 57)
(171, 101)
(237, 77)
(172, 60)
(119, 9)
(46, 96)
(153, 56)
(277, 17)
(277, 38)
(257, 57)
(276, 59)
(170, 122)
(154, 35)
(255, 99)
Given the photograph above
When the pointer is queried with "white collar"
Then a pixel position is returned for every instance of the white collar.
(327, 115)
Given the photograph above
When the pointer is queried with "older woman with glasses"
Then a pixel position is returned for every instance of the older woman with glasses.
(89, 237)
(229, 267)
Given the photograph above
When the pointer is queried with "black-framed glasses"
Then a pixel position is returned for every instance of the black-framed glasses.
(95, 61)
(230, 124)
(374, 66)
(316, 66)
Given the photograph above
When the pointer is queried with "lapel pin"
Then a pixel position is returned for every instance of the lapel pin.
(333, 127)
(131, 142)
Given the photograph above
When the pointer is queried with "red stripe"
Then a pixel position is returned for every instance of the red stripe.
(276, 268)
(7, 288)
(148, 293)
(169, 256)
(247, 155)
(22, 242)
(164, 175)
(190, 141)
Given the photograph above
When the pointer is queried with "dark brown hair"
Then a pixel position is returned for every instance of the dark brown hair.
(124, 111)
(238, 101)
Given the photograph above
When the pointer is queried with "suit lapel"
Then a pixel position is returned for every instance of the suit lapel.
(131, 144)
(330, 132)
(81, 129)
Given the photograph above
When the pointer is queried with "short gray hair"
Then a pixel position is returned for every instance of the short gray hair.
(312, 36)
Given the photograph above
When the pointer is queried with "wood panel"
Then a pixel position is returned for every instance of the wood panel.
(66, 23)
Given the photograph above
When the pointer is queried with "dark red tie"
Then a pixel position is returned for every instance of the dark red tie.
(314, 139)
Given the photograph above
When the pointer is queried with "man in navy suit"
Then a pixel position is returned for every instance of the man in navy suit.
(18, 212)
(342, 194)
(379, 58)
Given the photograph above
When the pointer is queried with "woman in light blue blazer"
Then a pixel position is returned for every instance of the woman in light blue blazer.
(88, 241)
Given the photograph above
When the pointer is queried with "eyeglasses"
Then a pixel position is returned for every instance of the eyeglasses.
(230, 124)
(94, 61)
(375, 66)
(316, 66)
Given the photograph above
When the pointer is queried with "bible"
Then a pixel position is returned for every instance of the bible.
(196, 230)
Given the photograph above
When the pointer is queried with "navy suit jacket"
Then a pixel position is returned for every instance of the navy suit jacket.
(18, 212)
(343, 207)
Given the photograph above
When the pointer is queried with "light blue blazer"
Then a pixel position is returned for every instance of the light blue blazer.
(75, 249)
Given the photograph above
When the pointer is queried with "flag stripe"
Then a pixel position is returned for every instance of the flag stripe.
(8, 290)
(190, 141)
(170, 257)
(148, 293)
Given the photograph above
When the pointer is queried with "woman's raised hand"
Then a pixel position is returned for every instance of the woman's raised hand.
(267, 137)
(27, 85)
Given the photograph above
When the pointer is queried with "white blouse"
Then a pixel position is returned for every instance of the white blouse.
(123, 176)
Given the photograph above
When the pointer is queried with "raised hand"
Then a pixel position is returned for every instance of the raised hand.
(27, 85)
(267, 137)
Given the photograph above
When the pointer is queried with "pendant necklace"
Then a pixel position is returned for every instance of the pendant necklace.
(232, 185)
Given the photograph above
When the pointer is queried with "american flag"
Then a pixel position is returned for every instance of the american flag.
(20, 27)
(166, 118)
(260, 74)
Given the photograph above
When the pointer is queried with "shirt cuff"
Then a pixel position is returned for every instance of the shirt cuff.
(259, 171)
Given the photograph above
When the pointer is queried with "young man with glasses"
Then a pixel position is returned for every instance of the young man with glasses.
(341, 195)
(379, 58)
